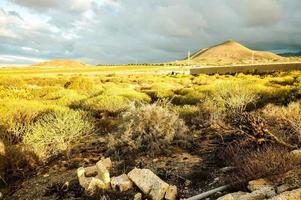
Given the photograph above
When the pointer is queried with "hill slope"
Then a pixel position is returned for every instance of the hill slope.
(60, 63)
(231, 52)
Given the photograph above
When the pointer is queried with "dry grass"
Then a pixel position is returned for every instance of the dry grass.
(287, 120)
(259, 162)
(26, 105)
(149, 129)
(53, 132)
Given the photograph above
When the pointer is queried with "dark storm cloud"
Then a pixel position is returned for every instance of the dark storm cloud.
(123, 31)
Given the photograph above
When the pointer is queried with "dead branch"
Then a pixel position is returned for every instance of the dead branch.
(208, 193)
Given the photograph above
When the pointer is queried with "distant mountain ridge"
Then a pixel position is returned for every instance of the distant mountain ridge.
(291, 54)
(61, 63)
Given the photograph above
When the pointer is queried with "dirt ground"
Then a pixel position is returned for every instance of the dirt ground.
(183, 168)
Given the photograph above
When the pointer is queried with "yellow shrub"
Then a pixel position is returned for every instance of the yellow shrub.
(233, 96)
(149, 128)
(101, 103)
(125, 90)
(80, 84)
(16, 115)
(53, 132)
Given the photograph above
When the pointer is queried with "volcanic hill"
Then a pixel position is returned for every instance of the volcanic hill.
(232, 52)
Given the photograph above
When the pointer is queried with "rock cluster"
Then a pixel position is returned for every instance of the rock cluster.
(286, 186)
(95, 177)
(98, 177)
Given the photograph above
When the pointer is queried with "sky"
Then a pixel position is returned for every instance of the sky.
(143, 31)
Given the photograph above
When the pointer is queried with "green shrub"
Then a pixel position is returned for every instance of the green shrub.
(232, 96)
(63, 97)
(189, 96)
(163, 90)
(103, 103)
(12, 82)
(80, 84)
(16, 115)
(53, 132)
(149, 128)
(125, 90)
(15, 93)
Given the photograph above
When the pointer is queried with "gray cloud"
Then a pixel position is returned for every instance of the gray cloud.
(36, 4)
(122, 31)
(261, 13)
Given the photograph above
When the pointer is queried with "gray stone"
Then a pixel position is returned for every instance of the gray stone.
(171, 193)
(260, 194)
(226, 197)
(103, 167)
(148, 183)
(232, 196)
(284, 187)
(121, 183)
(296, 154)
(90, 184)
(138, 196)
(258, 184)
(91, 171)
(289, 195)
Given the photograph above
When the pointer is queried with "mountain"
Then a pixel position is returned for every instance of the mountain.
(61, 63)
(231, 52)
(291, 54)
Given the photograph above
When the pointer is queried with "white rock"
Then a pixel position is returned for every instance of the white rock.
(289, 195)
(258, 184)
(226, 197)
(138, 196)
(260, 194)
(90, 184)
(91, 171)
(103, 167)
(296, 154)
(171, 193)
(253, 196)
(121, 183)
(285, 187)
(149, 183)
(83, 181)
(94, 185)
(232, 196)
(107, 163)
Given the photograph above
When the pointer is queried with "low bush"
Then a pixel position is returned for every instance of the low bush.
(63, 97)
(163, 90)
(80, 84)
(260, 162)
(105, 103)
(127, 91)
(148, 128)
(12, 82)
(287, 120)
(230, 96)
(53, 132)
(16, 115)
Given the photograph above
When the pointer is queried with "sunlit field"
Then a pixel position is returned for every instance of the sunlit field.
(150, 100)
(173, 124)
